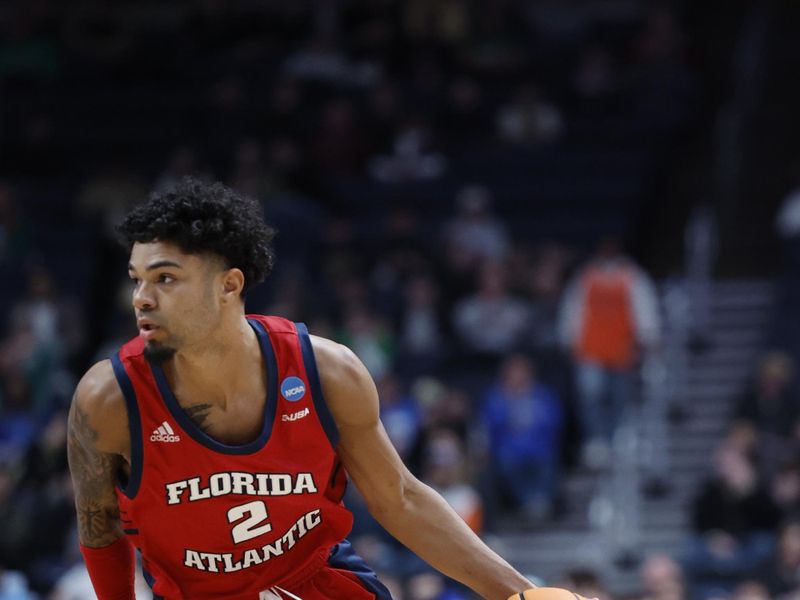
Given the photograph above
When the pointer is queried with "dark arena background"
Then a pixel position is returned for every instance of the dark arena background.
(473, 196)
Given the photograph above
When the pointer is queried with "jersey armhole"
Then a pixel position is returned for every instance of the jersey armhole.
(321, 407)
(131, 487)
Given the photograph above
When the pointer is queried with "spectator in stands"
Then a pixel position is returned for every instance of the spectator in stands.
(37, 514)
(401, 256)
(399, 414)
(421, 327)
(529, 118)
(55, 318)
(322, 59)
(491, 322)
(733, 521)
(785, 489)
(525, 420)
(608, 318)
(781, 573)
(370, 338)
(751, 590)
(769, 408)
(46, 458)
(445, 469)
(475, 234)
(19, 421)
(541, 276)
(45, 488)
(442, 407)
(584, 581)
(46, 330)
(441, 21)
(661, 578)
(471, 237)
(414, 156)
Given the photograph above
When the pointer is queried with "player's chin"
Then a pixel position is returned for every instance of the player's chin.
(157, 351)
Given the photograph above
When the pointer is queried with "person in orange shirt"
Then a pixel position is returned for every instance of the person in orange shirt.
(608, 318)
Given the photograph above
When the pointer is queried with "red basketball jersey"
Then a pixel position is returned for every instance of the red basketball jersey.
(218, 521)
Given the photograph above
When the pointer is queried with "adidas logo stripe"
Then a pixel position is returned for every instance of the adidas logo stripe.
(164, 433)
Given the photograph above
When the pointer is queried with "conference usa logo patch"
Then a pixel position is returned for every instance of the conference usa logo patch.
(293, 389)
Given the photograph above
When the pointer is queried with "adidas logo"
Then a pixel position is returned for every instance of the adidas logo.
(164, 433)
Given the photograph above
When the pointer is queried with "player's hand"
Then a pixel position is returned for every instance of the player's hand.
(547, 593)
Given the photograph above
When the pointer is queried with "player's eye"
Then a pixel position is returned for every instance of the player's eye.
(165, 278)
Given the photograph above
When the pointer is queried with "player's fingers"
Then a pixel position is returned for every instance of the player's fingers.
(547, 593)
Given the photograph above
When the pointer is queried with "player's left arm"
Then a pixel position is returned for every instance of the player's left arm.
(407, 508)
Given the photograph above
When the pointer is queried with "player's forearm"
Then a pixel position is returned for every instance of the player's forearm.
(427, 525)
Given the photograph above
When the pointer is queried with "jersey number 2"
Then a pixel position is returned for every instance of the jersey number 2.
(250, 527)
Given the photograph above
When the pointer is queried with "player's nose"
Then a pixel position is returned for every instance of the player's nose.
(143, 299)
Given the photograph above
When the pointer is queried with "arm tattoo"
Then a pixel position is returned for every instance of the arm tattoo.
(198, 413)
(93, 474)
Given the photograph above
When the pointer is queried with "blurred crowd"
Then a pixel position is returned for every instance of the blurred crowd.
(453, 183)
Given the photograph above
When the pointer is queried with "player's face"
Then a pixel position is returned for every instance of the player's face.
(173, 297)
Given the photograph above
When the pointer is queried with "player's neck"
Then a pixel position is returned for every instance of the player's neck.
(218, 362)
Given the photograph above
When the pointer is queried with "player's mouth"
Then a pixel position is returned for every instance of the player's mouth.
(147, 329)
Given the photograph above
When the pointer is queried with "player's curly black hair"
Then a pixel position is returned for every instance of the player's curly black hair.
(206, 217)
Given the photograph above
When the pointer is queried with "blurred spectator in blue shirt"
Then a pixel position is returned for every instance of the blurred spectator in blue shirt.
(399, 414)
(525, 421)
(13, 586)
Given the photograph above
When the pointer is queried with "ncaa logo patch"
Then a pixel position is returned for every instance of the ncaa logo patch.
(293, 389)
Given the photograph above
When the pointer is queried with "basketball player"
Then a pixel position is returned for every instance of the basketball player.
(219, 444)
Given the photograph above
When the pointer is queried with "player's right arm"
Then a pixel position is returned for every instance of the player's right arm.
(97, 447)
(97, 427)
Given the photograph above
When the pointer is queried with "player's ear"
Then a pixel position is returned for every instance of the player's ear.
(232, 284)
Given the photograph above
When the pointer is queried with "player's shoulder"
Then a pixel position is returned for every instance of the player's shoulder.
(99, 385)
(99, 398)
(335, 360)
(346, 384)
